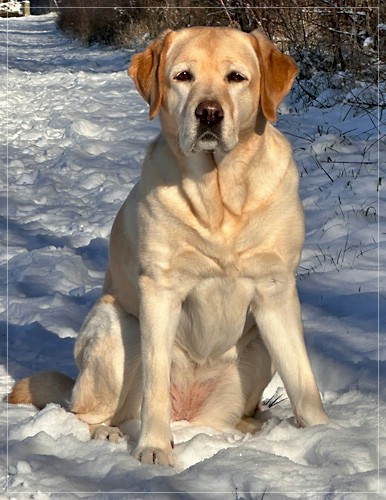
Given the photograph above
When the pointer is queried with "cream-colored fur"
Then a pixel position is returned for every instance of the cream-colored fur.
(200, 291)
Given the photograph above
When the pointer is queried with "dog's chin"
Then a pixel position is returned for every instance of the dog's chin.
(208, 143)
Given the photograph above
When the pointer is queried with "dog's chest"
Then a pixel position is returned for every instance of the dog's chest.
(214, 316)
(234, 251)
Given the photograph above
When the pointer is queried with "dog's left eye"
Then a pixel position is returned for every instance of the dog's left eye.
(235, 76)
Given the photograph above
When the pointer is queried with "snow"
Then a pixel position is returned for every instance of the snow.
(11, 8)
(77, 132)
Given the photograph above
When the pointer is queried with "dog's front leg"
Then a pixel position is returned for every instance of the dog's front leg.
(278, 317)
(159, 317)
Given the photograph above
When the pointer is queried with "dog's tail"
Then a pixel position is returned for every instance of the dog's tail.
(43, 388)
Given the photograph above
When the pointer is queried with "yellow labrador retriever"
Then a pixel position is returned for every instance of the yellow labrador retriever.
(199, 301)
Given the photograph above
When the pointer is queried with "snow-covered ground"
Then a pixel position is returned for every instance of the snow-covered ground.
(11, 8)
(77, 132)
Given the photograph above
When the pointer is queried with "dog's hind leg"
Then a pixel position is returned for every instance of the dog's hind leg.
(256, 371)
(236, 394)
(223, 407)
(107, 352)
(106, 432)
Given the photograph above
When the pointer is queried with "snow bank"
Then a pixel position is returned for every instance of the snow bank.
(11, 8)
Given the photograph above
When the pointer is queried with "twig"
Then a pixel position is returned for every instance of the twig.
(272, 401)
(226, 11)
(350, 162)
(321, 167)
(310, 95)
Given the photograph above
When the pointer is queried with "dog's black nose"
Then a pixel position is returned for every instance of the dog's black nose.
(209, 113)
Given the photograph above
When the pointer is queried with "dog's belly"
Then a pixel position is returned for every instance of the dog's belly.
(214, 317)
(187, 401)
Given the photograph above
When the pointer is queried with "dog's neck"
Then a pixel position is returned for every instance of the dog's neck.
(201, 185)
(221, 185)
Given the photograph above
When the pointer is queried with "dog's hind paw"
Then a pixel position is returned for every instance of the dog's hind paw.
(106, 433)
(149, 455)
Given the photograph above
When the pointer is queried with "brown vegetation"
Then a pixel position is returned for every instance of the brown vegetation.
(327, 35)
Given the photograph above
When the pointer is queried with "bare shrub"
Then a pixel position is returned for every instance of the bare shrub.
(322, 35)
(96, 22)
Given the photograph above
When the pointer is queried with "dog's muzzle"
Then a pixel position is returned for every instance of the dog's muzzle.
(209, 114)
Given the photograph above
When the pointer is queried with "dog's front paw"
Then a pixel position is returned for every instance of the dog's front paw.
(152, 455)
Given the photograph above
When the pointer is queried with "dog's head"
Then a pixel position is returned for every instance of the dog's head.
(211, 84)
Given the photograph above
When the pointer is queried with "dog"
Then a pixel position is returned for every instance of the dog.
(199, 305)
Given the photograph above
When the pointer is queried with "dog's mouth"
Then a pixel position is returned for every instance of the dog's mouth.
(207, 141)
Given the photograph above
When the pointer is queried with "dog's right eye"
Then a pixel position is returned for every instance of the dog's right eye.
(184, 76)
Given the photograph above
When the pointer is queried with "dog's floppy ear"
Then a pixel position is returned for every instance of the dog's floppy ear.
(278, 72)
(146, 69)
